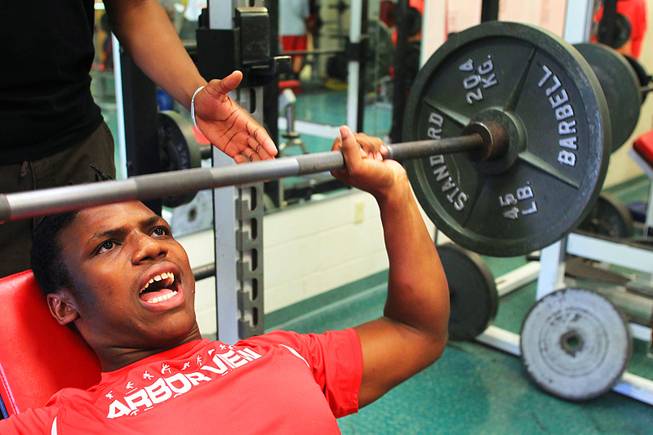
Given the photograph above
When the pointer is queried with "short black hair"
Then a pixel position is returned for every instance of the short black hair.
(47, 264)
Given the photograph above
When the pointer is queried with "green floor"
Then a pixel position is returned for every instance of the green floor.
(472, 388)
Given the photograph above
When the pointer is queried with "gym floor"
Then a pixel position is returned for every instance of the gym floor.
(472, 388)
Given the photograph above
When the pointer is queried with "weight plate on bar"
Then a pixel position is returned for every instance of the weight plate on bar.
(610, 218)
(642, 75)
(178, 149)
(472, 292)
(620, 87)
(551, 104)
(575, 344)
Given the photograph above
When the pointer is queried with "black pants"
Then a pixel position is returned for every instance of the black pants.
(91, 160)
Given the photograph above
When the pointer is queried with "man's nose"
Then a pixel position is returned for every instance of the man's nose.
(148, 249)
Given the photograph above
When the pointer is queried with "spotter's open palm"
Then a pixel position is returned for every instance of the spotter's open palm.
(228, 126)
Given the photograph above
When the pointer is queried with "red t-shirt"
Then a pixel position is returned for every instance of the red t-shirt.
(281, 382)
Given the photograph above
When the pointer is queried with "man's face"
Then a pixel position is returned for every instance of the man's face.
(132, 283)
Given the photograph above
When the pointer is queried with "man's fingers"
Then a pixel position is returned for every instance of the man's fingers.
(239, 158)
(262, 137)
(379, 148)
(258, 148)
(347, 138)
(231, 150)
(225, 85)
(337, 146)
(270, 147)
(384, 151)
(250, 154)
(369, 146)
(375, 146)
(350, 148)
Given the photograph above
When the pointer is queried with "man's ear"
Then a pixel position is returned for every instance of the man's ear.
(62, 306)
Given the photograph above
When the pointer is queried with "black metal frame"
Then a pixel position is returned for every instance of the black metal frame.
(273, 189)
(362, 67)
(400, 91)
(140, 117)
(489, 10)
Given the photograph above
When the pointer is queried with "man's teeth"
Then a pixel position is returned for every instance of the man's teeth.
(158, 299)
(169, 276)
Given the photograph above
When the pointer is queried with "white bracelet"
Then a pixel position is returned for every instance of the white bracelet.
(192, 104)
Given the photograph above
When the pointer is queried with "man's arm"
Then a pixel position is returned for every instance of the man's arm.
(144, 29)
(413, 330)
(146, 32)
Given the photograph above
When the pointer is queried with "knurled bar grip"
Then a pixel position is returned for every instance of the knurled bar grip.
(23, 205)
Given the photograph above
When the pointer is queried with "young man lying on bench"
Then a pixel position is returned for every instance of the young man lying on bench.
(117, 276)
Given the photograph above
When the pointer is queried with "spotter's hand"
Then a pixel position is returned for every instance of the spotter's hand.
(366, 168)
(228, 126)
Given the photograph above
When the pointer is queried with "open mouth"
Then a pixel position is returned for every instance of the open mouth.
(159, 288)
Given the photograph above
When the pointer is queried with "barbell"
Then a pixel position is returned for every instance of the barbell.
(506, 135)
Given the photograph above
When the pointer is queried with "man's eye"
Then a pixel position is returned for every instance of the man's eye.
(105, 246)
(160, 231)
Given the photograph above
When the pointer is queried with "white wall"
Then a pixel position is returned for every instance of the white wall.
(320, 246)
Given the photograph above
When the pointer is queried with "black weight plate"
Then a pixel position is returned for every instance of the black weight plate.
(610, 218)
(642, 75)
(620, 86)
(472, 292)
(575, 344)
(554, 168)
(178, 150)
